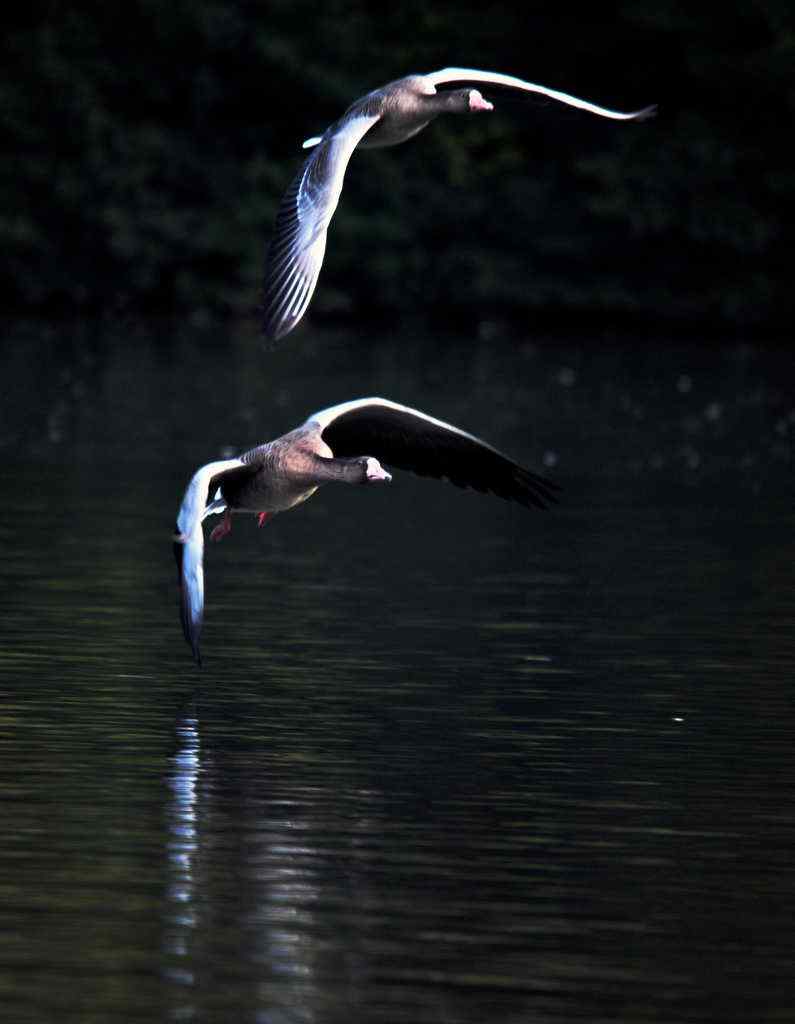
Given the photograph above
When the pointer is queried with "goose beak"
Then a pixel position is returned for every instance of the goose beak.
(375, 472)
(476, 101)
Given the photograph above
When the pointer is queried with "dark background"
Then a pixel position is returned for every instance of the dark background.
(447, 759)
(147, 145)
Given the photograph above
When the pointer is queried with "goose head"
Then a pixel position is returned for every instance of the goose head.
(374, 472)
(462, 101)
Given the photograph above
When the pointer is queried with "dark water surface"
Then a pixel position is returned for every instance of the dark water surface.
(447, 760)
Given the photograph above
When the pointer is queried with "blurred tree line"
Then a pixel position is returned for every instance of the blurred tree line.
(147, 146)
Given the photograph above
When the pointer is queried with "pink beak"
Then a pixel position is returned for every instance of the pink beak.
(476, 101)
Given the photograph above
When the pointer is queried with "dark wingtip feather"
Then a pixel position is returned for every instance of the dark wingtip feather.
(537, 491)
(646, 113)
(273, 329)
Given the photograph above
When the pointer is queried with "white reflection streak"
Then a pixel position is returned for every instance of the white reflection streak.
(182, 847)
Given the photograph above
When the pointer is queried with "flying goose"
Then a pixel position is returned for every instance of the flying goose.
(384, 117)
(278, 475)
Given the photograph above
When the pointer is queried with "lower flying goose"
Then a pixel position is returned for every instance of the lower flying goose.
(278, 475)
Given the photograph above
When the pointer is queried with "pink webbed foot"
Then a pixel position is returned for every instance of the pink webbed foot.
(263, 517)
(224, 527)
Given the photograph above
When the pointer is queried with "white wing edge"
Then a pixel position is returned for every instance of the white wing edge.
(194, 505)
(435, 78)
(327, 416)
(192, 588)
(190, 535)
(340, 147)
(353, 127)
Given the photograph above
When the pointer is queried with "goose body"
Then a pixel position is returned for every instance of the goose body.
(279, 475)
(384, 117)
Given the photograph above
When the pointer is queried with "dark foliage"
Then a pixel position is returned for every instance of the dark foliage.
(147, 146)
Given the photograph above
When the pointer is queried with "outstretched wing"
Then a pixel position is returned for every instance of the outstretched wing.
(448, 75)
(409, 439)
(189, 556)
(189, 545)
(296, 251)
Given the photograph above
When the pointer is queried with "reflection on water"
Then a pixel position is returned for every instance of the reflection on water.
(447, 760)
(182, 846)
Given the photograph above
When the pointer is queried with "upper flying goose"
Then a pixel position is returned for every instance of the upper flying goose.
(384, 117)
(281, 474)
